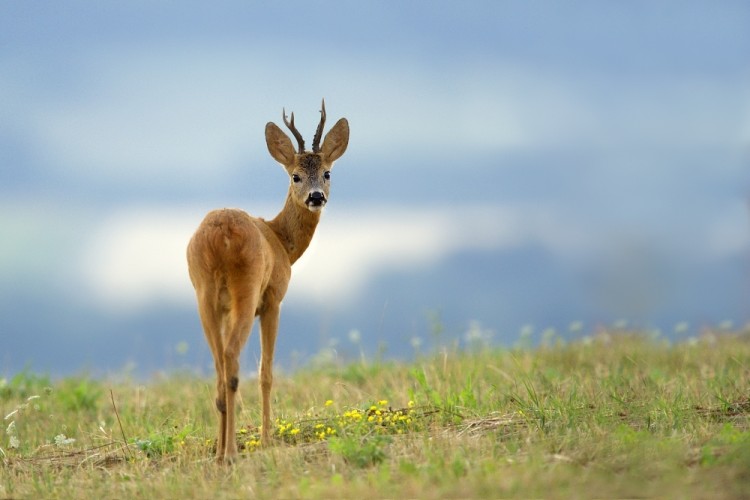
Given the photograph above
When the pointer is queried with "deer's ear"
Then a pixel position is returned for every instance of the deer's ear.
(279, 145)
(336, 141)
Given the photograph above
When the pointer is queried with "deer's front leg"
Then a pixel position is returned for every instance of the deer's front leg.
(269, 325)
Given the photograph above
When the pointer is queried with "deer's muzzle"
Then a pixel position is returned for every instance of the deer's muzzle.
(316, 199)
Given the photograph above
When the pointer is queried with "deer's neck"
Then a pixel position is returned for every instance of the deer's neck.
(295, 227)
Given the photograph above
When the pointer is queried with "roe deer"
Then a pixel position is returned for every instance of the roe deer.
(240, 267)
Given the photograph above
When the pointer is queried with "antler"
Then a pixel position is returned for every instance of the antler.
(290, 126)
(319, 132)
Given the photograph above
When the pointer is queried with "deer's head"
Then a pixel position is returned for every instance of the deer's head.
(309, 172)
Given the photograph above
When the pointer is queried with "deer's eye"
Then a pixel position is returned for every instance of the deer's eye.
(296, 178)
(327, 175)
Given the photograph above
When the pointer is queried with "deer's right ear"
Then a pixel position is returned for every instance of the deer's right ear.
(279, 145)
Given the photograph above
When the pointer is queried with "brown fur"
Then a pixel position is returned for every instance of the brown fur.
(240, 267)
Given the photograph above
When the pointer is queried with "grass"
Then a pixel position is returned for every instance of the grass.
(612, 416)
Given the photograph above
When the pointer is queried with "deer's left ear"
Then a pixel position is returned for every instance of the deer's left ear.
(336, 141)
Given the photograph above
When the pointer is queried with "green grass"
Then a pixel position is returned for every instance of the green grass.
(613, 416)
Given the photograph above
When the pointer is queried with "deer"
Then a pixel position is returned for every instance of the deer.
(240, 267)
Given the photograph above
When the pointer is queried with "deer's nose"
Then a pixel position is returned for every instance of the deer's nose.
(316, 199)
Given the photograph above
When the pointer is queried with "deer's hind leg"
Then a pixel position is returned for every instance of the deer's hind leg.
(239, 323)
(213, 323)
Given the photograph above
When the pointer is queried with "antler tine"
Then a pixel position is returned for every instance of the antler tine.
(319, 132)
(297, 135)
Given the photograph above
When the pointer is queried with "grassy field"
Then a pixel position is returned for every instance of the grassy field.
(609, 416)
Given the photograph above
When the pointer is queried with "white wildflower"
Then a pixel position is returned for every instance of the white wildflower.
(355, 336)
(13, 441)
(681, 327)
(478, 335)
(63, 440)
(576, 326)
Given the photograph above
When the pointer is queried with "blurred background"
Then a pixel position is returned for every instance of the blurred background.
(516, 171)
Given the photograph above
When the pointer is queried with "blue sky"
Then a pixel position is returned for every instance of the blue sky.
(614, 135)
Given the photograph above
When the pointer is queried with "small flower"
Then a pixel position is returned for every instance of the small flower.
(411, 404)
(63, 440)
(294, 431)
(383, 402)
(329, 402)
(576, 326)
(251, 444)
